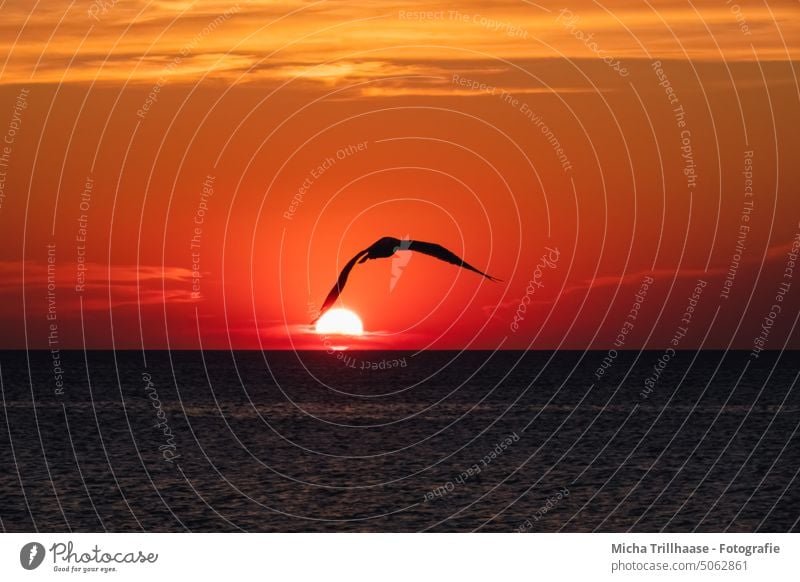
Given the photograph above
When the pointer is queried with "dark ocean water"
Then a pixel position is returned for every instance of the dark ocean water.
(436, 441)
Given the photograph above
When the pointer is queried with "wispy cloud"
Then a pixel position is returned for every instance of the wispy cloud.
(104, 286)
(774, 255)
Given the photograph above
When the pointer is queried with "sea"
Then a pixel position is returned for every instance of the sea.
(387, 441)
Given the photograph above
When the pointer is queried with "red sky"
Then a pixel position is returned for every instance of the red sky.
(459, 113)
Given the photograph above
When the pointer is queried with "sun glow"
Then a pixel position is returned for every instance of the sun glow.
(339, 322)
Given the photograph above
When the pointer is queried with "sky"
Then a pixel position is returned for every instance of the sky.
(195, 174)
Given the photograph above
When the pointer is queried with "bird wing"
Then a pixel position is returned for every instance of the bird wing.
(443, 254)
(337, 288)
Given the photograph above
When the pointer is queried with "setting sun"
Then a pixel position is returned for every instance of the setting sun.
(341, 322)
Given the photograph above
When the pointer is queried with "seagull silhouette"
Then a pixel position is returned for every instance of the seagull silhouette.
(386, 247)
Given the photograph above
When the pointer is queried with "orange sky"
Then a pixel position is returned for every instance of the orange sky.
(617, 134)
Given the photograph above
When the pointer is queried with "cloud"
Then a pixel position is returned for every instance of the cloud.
(123, 284)
(133, 39)
(774, 254)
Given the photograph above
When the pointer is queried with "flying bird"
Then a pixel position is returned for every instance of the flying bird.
(386, 247)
